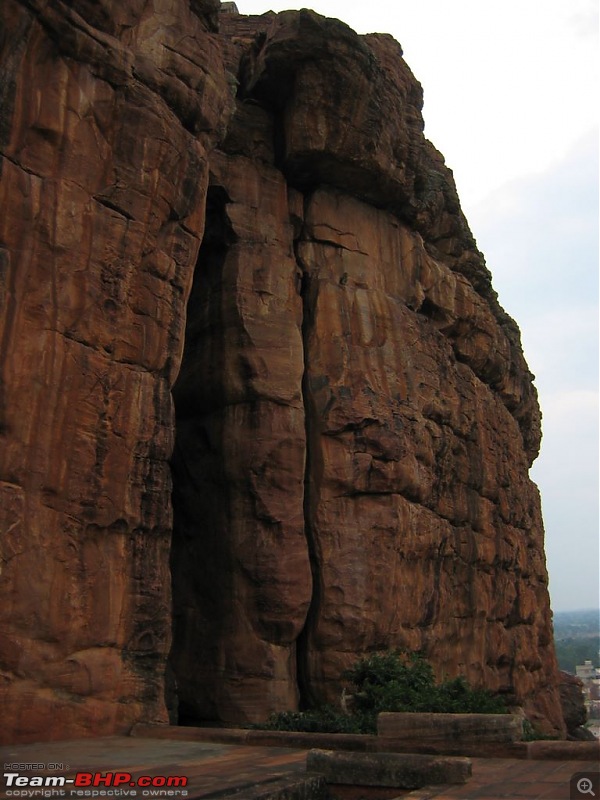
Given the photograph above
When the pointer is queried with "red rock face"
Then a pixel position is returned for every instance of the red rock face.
(354, 420)
(102, 190)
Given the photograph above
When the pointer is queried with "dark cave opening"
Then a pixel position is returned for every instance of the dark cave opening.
(198, 552)
(241, 637)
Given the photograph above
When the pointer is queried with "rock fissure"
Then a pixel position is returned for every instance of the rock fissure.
(311, 488)
(105, 201)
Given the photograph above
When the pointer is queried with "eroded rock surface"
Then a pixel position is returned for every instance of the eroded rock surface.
(106, 116)
(354, 417)
(573, 706)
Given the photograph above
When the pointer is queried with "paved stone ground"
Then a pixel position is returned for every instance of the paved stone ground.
(512, 779)
(211, 769)
(215, 770)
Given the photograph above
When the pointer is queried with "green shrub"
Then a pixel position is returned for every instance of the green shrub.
(405, 682)
(457, 697)
(326, 719)
(393, 681)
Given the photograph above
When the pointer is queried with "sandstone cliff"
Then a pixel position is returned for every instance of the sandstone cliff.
(242, 214)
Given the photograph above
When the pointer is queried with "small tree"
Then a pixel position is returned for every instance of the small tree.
(393, 681)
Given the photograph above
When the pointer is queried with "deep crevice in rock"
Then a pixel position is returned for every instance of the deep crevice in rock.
(199, 555)
(308, 292)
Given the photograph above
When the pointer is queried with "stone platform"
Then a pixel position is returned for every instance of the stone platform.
(212, 770)
(265, 773)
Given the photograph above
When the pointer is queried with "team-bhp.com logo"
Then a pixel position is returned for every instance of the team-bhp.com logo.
(95, 784)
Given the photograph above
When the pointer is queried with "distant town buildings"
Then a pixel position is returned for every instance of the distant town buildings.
(589, 675)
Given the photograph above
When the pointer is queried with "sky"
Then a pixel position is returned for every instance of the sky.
(511, 100)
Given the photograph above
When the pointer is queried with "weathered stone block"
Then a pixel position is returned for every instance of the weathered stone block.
(402, 771)
(564, 751)
(450, 727)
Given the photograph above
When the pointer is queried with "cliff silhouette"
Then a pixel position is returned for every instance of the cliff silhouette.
(261, 411)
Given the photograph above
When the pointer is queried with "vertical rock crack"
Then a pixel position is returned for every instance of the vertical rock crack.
(309, 289)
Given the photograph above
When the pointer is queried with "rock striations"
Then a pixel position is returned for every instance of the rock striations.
(234, 273)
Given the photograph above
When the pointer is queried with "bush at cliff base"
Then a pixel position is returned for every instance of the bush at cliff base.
(394, 681)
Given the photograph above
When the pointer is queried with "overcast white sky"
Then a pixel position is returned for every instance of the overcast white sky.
(511, 100)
